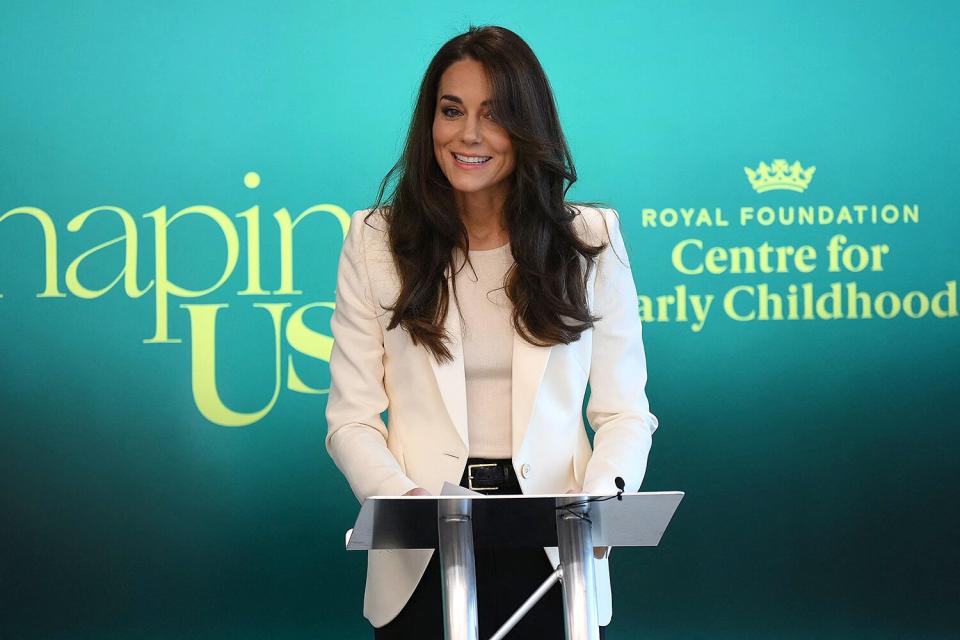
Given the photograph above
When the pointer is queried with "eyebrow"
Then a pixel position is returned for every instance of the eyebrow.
(447, 96)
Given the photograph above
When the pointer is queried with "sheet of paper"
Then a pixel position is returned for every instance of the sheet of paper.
(450, 489)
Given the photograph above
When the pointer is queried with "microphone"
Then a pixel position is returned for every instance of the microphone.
(621, 485)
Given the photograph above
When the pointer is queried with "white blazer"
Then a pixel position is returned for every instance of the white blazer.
(425, 441)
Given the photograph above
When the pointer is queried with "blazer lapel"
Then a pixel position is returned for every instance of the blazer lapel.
(451, 379)
(529, 364)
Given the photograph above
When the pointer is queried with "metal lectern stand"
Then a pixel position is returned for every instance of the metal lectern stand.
(573, 523)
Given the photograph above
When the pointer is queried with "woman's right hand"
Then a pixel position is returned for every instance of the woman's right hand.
(417, 491)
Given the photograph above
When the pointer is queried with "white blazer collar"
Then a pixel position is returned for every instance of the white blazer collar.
(529, 364)
(451, 378)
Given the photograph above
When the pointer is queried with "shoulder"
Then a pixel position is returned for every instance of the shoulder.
(367, 247)
(596, 225)
(369, 223)
(368, 235)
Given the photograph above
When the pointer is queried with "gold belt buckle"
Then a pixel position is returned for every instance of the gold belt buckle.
(470, 469)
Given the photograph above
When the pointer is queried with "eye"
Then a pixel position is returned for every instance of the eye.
(446, 111)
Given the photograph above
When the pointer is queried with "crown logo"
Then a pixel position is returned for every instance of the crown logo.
(780, 176)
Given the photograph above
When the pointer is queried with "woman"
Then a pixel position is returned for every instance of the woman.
(476, 306)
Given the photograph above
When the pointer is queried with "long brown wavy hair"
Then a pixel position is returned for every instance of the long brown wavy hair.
(547, 282)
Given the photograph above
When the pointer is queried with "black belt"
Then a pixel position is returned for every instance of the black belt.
(482, 474)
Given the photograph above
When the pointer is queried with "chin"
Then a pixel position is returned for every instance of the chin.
(467, 185)
(461, 182)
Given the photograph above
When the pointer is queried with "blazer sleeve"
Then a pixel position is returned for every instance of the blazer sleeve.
(356, 435)
(618, 409)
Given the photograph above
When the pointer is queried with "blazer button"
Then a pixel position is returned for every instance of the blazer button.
(525, 470)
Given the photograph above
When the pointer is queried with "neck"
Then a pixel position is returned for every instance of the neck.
(482, 215)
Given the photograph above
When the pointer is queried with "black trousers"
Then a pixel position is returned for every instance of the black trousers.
(505, 579)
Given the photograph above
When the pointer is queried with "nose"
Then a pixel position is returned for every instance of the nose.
(471, 129)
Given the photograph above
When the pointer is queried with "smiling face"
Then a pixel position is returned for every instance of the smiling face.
(474, 152)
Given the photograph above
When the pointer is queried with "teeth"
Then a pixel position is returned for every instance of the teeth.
(471, 160)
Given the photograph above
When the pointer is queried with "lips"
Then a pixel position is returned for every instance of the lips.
(470, 161)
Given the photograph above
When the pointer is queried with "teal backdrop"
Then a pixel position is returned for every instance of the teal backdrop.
(165, 310)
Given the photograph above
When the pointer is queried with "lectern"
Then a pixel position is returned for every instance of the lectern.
(573, 523)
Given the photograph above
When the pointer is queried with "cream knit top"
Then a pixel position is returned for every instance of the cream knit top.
(487, 350)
